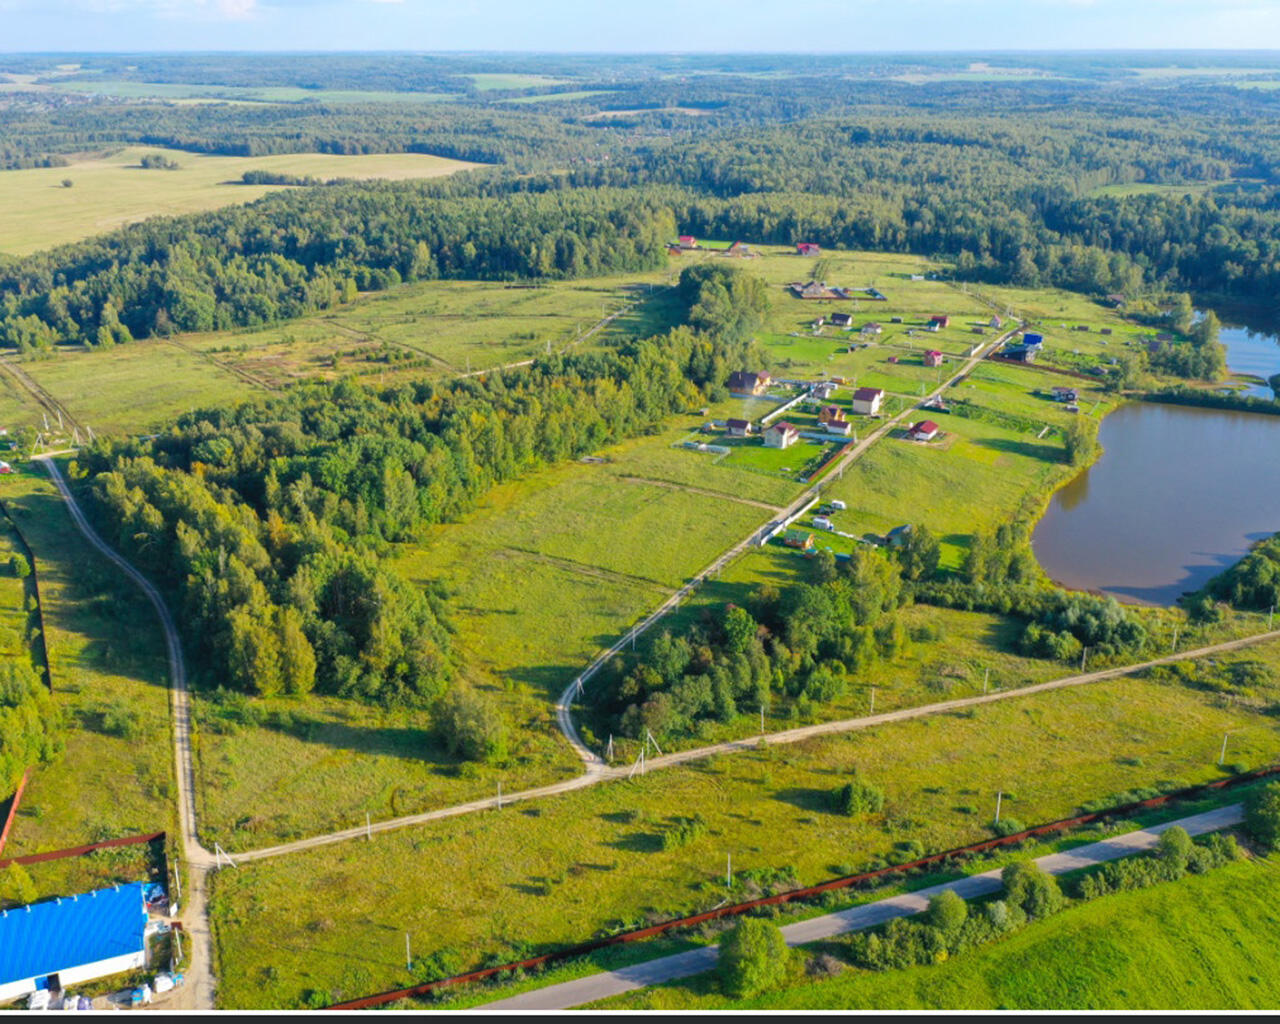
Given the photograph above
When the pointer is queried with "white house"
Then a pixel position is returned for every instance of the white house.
(867, 401)
(64, 942)
(781, 435)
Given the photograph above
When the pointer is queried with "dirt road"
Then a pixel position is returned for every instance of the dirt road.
(198, 992)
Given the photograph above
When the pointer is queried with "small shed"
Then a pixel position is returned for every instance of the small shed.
(68, 941)
(1032, 338)
(801, 539)
(942, 320)
(899, 536)
(738, 428)
(808, 248)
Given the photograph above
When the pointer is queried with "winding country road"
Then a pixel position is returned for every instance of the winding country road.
(868, 915)
(198, 991)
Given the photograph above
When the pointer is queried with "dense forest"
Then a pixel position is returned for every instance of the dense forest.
(267, 521)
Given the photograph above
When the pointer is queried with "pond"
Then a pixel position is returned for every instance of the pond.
(1254, 352)
(1179, 494)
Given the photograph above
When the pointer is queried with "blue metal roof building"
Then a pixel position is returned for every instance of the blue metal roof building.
(77, 938)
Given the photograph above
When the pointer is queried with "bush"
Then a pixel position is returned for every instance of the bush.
(1007, 827)
(119, 719)
(854, 798)
(1262, 815)
(683, 832)
(17, 886)
(947, 912)
(470, 725)
(1031, 890)
(753, 958)
(19, 566)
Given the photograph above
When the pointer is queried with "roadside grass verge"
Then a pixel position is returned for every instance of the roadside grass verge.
(332, 921)
(1203, 942)
(110, 678)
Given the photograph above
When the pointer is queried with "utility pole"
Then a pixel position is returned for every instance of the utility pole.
(408, 958)
(986, 679)
(999, 797)
(1174, 647)
(728, 871)
(499, 794)
(1083, 654)
(873, 700)
(761, 719)
(1223, 756)
(368, 827)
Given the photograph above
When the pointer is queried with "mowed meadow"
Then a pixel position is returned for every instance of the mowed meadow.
(110, 189)
(329, 924)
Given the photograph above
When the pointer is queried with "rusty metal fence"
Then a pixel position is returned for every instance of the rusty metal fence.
(808, 892)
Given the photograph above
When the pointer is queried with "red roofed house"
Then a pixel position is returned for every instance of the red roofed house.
(942, 320)
(867, 401)
(738, 428)
(688, 241)
(933, 358)
(925, 430)
(781, 435)
(808, 248)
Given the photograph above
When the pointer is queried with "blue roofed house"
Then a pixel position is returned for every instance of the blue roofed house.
(67, 941)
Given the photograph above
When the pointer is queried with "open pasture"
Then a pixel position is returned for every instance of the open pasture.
(340, 933)
(108, 190)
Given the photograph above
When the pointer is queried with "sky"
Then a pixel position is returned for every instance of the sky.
(637, 26)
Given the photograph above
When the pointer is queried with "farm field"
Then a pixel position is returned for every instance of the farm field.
(136, 387)
(1204, 942)
(110, 681)
(332, 921)
(442, 328)
(37, 212)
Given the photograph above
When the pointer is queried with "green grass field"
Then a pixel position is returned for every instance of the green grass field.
(1202, 943)
(36, 212)
(137, 387)
(333, 921)
(105, 649)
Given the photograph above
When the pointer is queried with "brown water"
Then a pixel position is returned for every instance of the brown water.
(1178, 495)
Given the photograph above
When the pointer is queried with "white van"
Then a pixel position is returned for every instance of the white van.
(839, 506)
(822, 523)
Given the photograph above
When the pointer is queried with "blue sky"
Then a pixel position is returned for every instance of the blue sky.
(637, 25)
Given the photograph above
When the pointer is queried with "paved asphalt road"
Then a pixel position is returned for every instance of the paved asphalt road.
(683, 965)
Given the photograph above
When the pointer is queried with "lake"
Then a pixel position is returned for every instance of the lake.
(1179, 494)
(1255, 352)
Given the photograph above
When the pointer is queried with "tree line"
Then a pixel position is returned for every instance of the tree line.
(270, 521)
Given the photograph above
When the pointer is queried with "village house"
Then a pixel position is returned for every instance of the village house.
(925, 430)
(823, 389)
(842, 428)
(801, 539)
(781, 435)
(817, 290)
(748, 384)
(831, 414)
(942, 320)
(738, 428)
(841, 319)
(933, 358)
(688, 242)
(872, 328)
(899, 535)
(808, 248)
(866, 401)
